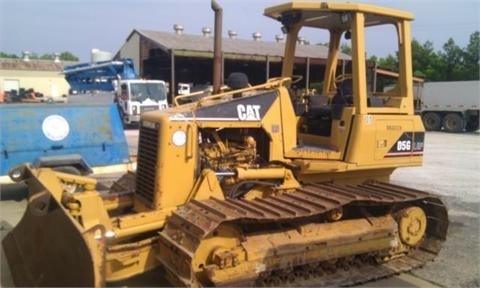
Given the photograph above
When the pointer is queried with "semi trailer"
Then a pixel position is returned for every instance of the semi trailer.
(452, 106)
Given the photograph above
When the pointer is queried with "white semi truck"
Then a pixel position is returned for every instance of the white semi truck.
(453, 106)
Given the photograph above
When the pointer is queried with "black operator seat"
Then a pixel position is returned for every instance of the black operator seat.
(343, 97)
(319, 118)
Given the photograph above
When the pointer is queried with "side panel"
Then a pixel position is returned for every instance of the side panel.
(177, 164)
(31, 131)
(167, 161)
(386, 141)
(451, 96)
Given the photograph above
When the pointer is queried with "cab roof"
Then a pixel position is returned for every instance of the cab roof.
(327, 15)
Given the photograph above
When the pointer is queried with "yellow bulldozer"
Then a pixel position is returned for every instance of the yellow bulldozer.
(251, 186)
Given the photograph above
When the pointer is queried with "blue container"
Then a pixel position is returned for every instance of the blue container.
(30, 132)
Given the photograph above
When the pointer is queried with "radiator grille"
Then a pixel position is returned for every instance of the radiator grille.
(146, 163)
(148, 108)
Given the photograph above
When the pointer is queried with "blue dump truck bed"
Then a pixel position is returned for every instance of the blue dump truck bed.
(61, 135)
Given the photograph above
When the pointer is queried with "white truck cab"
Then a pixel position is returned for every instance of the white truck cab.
(184, 88)
(137, 96)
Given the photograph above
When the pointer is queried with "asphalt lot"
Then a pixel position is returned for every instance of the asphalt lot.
(451, 169)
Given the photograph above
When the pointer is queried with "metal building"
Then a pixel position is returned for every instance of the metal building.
(181, 58)
(43, 76)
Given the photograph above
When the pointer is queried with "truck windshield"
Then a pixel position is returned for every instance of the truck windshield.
(143, 91)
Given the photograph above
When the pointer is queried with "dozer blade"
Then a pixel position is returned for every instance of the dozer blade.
(47, 247)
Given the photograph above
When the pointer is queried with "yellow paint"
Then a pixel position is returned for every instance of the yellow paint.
(353, 152)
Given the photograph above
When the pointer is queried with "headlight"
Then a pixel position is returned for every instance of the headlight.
(179, 138)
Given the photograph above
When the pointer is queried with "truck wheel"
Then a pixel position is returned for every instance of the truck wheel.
(453, 123)
(472, 125)
(432, 121)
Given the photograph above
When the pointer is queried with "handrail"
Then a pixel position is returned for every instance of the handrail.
(271, 83)
(175, 100)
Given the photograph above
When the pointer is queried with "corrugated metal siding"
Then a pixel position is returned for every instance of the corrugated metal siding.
(171, 41)
(131, 49)
(451, 96)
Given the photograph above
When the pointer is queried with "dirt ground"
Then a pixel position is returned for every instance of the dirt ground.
(451, 168)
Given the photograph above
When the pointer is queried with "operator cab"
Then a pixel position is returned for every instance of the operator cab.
(345, 98)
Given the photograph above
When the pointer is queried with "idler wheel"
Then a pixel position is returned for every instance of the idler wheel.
(412, 224)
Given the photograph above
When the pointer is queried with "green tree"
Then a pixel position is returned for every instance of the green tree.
(426, 62)
(373, 59)
(67, 56)
(34, 55)
(453, 61)
(346, 49)
(390, 62)
(8, 55)
(472, 58)
(47, 56)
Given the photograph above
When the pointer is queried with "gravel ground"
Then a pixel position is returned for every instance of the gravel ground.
(451, 169)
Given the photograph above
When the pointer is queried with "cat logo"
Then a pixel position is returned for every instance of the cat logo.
(248, 112)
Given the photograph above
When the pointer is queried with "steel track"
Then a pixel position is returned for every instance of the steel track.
(197, 220)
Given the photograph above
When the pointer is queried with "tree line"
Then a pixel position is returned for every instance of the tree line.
(452, 63)
(64, 56)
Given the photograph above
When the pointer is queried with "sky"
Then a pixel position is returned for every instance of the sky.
(77, 26)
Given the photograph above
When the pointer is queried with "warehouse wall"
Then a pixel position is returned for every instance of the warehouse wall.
(131, 49)
(49, 83)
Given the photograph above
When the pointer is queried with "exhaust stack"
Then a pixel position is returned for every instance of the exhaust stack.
(217, 47)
